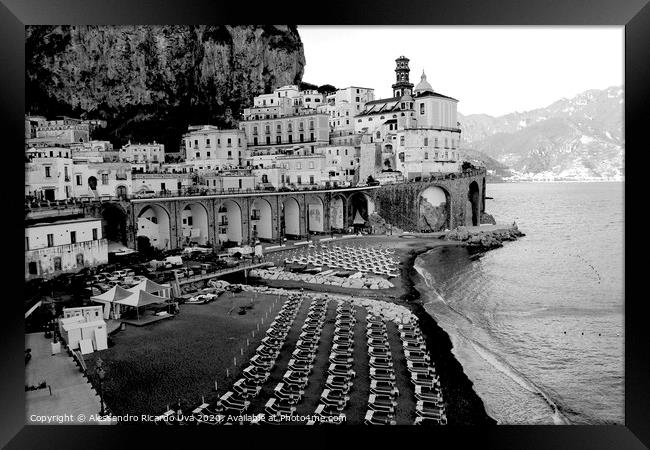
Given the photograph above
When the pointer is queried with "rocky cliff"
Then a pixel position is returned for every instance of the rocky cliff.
(150, 82)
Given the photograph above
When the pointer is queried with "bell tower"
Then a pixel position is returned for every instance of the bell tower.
(402, 85)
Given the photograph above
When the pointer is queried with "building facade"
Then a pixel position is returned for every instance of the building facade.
(48, 173)
(102, 180)
(209, 148)
(63, 246)
(149, 157)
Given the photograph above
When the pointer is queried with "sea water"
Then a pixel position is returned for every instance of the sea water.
(538, 325)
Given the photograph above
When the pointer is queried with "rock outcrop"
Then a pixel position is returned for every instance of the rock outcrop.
(150, 82)
(479, 241)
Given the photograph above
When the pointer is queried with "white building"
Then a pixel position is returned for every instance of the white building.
(147, 156)
(229, 181)
(341, 164)
(64, 130)
(304, 132)
(102, 179)
(415, 132)
(296, 171)
(161, 182)
(286, 121)
(209, 148)
(346, 103)
(48, 173)
(93, 151)
(63, 246)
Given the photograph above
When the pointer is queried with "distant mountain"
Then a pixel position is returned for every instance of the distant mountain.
(575, 139)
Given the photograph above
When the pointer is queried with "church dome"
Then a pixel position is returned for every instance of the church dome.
(423, 85)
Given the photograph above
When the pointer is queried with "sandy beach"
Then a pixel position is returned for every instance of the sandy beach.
(153, 367)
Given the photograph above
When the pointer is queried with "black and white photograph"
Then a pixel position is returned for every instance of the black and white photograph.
(324, 225)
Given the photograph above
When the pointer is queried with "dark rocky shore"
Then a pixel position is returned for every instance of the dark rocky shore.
(464, 406)
(483, 240)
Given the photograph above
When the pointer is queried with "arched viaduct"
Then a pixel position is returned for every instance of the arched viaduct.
(173, 222)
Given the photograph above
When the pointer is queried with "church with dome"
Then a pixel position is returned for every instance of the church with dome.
(415, 133)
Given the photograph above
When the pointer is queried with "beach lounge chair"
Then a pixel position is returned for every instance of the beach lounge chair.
(378, 342)
(420, 367)
(433, 394)
(334, 397)
(382, 402)
(419, 379)
(430, 421)
(288, 392)
(339, 383)
(264, 363)
(341, 370)
(276, 407)
(341, 349)
(300, 365)
(246, 388)
(297, 378)
(382, 374)
(416, 356)
(378, 418)
(381, 363)
(231, 401)
(382, 352)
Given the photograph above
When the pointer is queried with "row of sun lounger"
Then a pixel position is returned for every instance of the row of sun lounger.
(237, 400)
(335, 396)
(430, 407)
(366, 260)
(383, 392)
(289, 392)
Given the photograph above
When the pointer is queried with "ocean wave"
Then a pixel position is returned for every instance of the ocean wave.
(430, 283)
(504, 367)
(487, 355)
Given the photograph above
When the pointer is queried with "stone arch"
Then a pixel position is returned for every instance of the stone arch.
(473, 208)
(261, 219)
(154, 222)
(290, 217)
(229, 222)
(360, 208)
(337, 212)
(114, 220)
(434, 209)
(194, 224)
(315, 215)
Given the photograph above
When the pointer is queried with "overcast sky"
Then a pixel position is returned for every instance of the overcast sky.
(491, 70)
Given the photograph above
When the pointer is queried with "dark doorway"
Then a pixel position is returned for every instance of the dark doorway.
(121, 192)
(92, 183)
(474, 199)
(114, 221)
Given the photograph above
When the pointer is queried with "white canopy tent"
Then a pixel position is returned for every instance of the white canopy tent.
(142, 294)
(109, 298)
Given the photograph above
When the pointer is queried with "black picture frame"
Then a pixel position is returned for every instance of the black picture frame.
(15, 14)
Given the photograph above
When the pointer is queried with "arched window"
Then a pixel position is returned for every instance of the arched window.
(378, 135)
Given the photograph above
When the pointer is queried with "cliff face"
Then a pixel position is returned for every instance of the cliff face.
(150, 82)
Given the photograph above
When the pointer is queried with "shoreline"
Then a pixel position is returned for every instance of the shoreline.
(464, 406)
